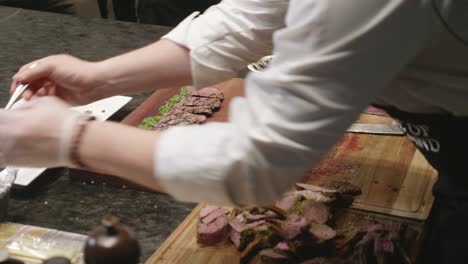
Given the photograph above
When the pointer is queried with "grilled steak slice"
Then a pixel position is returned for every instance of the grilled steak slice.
(177, 117)
(321, 231)
(315, 212)
(282, 246)
(342, 187)
(214, 215)
(199, 110)
(205, 211)
(294, 226)
(287, 201)
(215, 233)
(209, 92)
(319, 197)
(315, 188)
(200, 101)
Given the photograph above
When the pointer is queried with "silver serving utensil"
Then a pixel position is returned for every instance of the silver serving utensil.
(16, 95)
(377, 129)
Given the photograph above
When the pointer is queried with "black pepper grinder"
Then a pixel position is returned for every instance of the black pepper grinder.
(112, 243)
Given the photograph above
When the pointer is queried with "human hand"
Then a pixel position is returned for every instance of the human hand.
(38, 134)
(76, 81)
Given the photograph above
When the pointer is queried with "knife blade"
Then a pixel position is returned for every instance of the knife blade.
(378, 129)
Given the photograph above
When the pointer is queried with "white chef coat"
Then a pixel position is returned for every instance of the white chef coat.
(331, 59)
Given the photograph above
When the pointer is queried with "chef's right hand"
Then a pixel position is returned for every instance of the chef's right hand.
(76, 81)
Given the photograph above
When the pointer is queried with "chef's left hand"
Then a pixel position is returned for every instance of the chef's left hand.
(38, 134)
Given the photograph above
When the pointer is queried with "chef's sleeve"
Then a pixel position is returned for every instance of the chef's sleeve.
(332, 58)
(228, 36)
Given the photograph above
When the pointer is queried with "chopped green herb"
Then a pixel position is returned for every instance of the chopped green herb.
(150, 122)
(184, 91)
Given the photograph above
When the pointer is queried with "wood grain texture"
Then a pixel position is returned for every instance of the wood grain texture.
(394, 176)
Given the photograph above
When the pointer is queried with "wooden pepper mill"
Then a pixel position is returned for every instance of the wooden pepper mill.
(112, 243)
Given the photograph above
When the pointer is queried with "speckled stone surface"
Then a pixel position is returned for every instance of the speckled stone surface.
(54, 201)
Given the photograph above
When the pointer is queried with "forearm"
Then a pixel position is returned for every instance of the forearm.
(162, 64)
(120, 150)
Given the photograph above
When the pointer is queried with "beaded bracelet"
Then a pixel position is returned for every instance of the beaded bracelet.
(76, 142)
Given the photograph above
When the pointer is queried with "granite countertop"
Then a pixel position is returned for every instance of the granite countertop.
(55, 201)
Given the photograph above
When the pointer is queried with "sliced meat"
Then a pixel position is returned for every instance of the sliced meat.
(241, 218)
(206, 210)
(375, 111)
(315, 188)
(254, 217)
(277, 222)
(322, 232)
(200, 101)
(279, 212)
(215, 233)
(251, 251)
(283, 246)
(210, 92)
(236, 225)
(316, 196)
(287, 201)
(315, 212)
(201, 110)
(271, 256)
(177, 117)
(214, 215)
(255, 224)
(293, 226)
(342, 187)
(185, 118)
(235, 237)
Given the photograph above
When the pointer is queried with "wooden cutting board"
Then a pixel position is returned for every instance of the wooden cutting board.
(394, 176)
(181, 247)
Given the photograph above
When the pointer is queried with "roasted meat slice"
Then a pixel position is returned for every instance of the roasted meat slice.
(177, 117)
(342, 187)
(315, 212)
(214, 215)
(206, 210)
(321, 231)
(200, 101)
(294, 226)
(209, 92)
(215, 233)
(199, 110)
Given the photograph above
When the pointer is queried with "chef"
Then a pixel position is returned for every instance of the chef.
(331, 59)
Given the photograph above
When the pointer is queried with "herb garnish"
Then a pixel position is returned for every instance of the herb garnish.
(150, 122)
